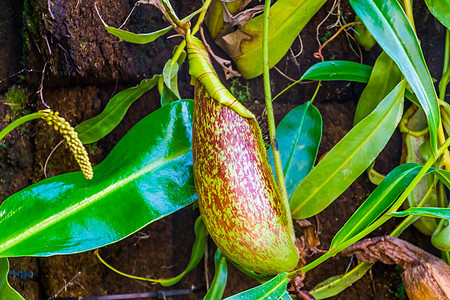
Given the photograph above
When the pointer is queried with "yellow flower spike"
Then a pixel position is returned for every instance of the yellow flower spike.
(71, 137)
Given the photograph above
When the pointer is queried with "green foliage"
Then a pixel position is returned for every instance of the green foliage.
(287, 19)
(220, 277)
(391, 28)
(151, 167)
(298, 135)
(240, 91)
(336, 284)
(441, 10)
(338, 70)
(16, 98)
(383, 78)
(96, 128)
(6, 291)
(272, 289)
(349, 158)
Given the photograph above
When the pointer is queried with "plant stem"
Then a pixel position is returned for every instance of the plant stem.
(445, 70)
(268, 98)
(446, 51)
(18, 122)
(446, 257)
(201, 17)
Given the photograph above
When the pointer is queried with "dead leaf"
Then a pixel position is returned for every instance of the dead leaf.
(231, 43)
(224, 63)
(310, 237)
(243, 17)
(425, 276)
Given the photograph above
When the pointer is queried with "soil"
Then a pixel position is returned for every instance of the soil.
(84, 66)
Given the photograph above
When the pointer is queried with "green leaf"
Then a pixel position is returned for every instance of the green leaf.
(384, 77)
(441, 10)
(298, 136)
(137, 38)
(287, 18)
(220, 277)
(391, 28)
(349, 158)
(6, 291)
(435, 212)
(170, 76)
(147, 176)
(272, 289)
(167, 96)
(362, 36)
(335, 285)
(99, 126)
(338, 70)
(378, 202)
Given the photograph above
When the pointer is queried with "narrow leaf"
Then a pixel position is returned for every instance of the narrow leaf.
(272, 289)
(338, 70)
(391, 28)
(335, 285)
(287, 18)
(147, 176)
(137, 38)
(298, 136)
(441, 10)
(6, 291)
(435, 212)
(220, 277)
(349, 158)
(384, 77)
(378, 202)
(170, 72)
(99, 126)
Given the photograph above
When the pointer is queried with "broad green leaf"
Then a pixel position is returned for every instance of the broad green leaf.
(434, 212)
(441, 10)
(147, 176)
(298, 136)
(378, 202)
(99, 126)
(334, 285)
(384, 77)
(137, 38)
(272, 289)
(338, 70)
(6, 291)
(391, 28)
(220, 277)
(349, 158)
(286, 20)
